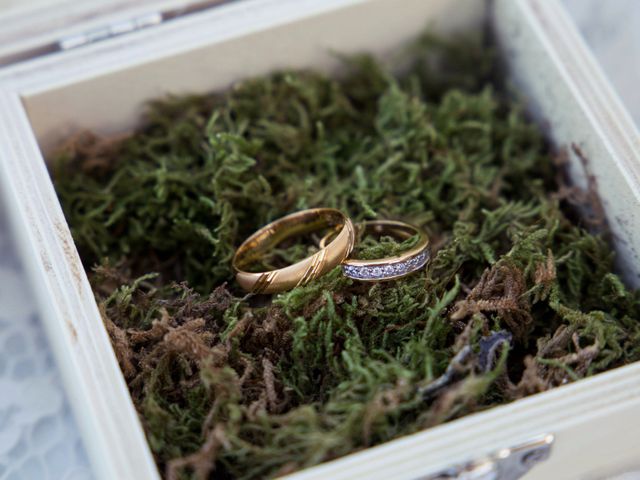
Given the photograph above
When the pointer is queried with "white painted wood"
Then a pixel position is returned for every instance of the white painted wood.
(96, 389)
(573, 100)
(103, 86)
(612, 32)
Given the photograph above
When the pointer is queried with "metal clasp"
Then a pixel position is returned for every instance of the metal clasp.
(506, 464)
(110, 31)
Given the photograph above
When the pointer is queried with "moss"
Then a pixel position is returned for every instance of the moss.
(519, 296)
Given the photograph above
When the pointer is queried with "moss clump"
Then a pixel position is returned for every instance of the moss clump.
(518, 298)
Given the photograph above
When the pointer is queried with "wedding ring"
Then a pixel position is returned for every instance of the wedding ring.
(388, 268)
(302, 272)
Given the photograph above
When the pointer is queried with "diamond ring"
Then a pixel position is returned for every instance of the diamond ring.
(388, 268)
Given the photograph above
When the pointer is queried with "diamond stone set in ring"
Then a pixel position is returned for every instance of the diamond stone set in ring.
(388, 271)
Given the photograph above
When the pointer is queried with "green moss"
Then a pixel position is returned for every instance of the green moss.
(249, 387)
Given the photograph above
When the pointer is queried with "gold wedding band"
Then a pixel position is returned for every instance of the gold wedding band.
(388, 268)
(304, 271)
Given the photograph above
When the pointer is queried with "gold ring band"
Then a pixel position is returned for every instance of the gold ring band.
(304, 271)
(388, 268)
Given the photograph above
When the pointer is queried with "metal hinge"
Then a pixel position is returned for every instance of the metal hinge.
(110, 31)
(506, 464)
(137, 23)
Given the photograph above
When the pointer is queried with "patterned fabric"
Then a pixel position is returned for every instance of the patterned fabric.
(38, 436)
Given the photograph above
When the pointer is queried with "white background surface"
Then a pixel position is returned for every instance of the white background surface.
(38, 436)
(612, 31)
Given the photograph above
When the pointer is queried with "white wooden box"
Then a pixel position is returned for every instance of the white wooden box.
(102, 85)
